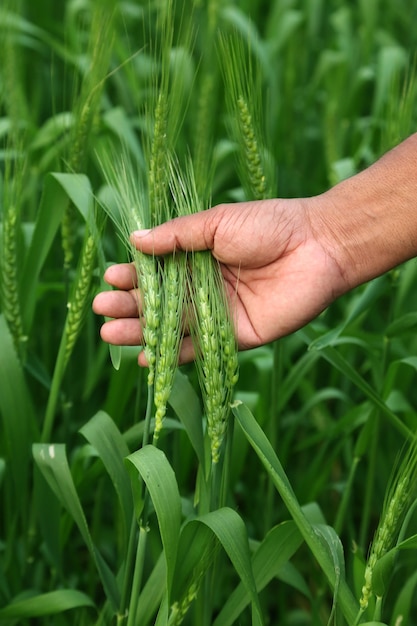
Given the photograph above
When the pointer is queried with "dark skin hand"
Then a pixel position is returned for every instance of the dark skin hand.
(271, 263)
(284, 261)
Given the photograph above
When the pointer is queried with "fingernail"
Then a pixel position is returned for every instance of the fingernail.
(138, 234)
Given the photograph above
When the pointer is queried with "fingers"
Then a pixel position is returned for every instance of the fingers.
(117, 304)
(121, 276)
(186, 355)
(188, 233)
(123, 332)
(126, 327)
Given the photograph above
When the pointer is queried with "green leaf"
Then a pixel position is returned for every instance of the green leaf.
(2, 471)
(276, 549)
(404, 602)
(163, 613)
(408, 544)
(18, 418)
(48, 511)
(266, 454)
(105, 437)
(115, 355)
(290, 575)
(230, 530)
(390, 61)
(294, 377)
(339, 362)
(196, 552)
(52, 603)
(334, 546)
(404, 323)
(118, 122)
(186, 404)
(371, 292)
(283, 28)
(52, 130)
(395, 372)
(59, 189)
(52, 462)
(157, 473)
(152, 592)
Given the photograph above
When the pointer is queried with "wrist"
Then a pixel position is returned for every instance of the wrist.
(368, 224)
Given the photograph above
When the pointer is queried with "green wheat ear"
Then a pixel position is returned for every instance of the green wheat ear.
(215, 345)
(242, 80)
(209, 321)
(86, 110)
(399, 498)
(13, 102)
(168, 102)
(133, 213)
(13, 191)
(79, 300)
(162, 283)
(9, 275)
(173, 294)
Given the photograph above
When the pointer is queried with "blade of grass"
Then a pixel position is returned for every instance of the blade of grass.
(58, 189)
(105, 437)
(186, 404)
(160, 480)
(266, 454)
(52, 462)
(339, 362)
(199, 541)
(18, 420)
(51, 603)
(275, 550)
(151, 595)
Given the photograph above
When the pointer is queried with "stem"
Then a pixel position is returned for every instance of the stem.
(134, 566)
(138, 572)
(370, 480)
(214, 486)
(341, 513)
(373, 457)
(148, 417)
(219, 489)
(378, 609)
(54, 392)
(127, 580)
(205, 599)
(358, 617)
(225, 475)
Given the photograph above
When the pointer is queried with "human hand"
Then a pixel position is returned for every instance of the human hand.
(277, 270)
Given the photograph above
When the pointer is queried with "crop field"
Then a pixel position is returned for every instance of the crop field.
(275, 486)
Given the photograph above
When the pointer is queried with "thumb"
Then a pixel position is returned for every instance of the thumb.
(187, 233)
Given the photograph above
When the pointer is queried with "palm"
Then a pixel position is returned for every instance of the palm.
(278, 298)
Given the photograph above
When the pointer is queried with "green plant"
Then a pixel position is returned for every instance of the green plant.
(116, 506)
